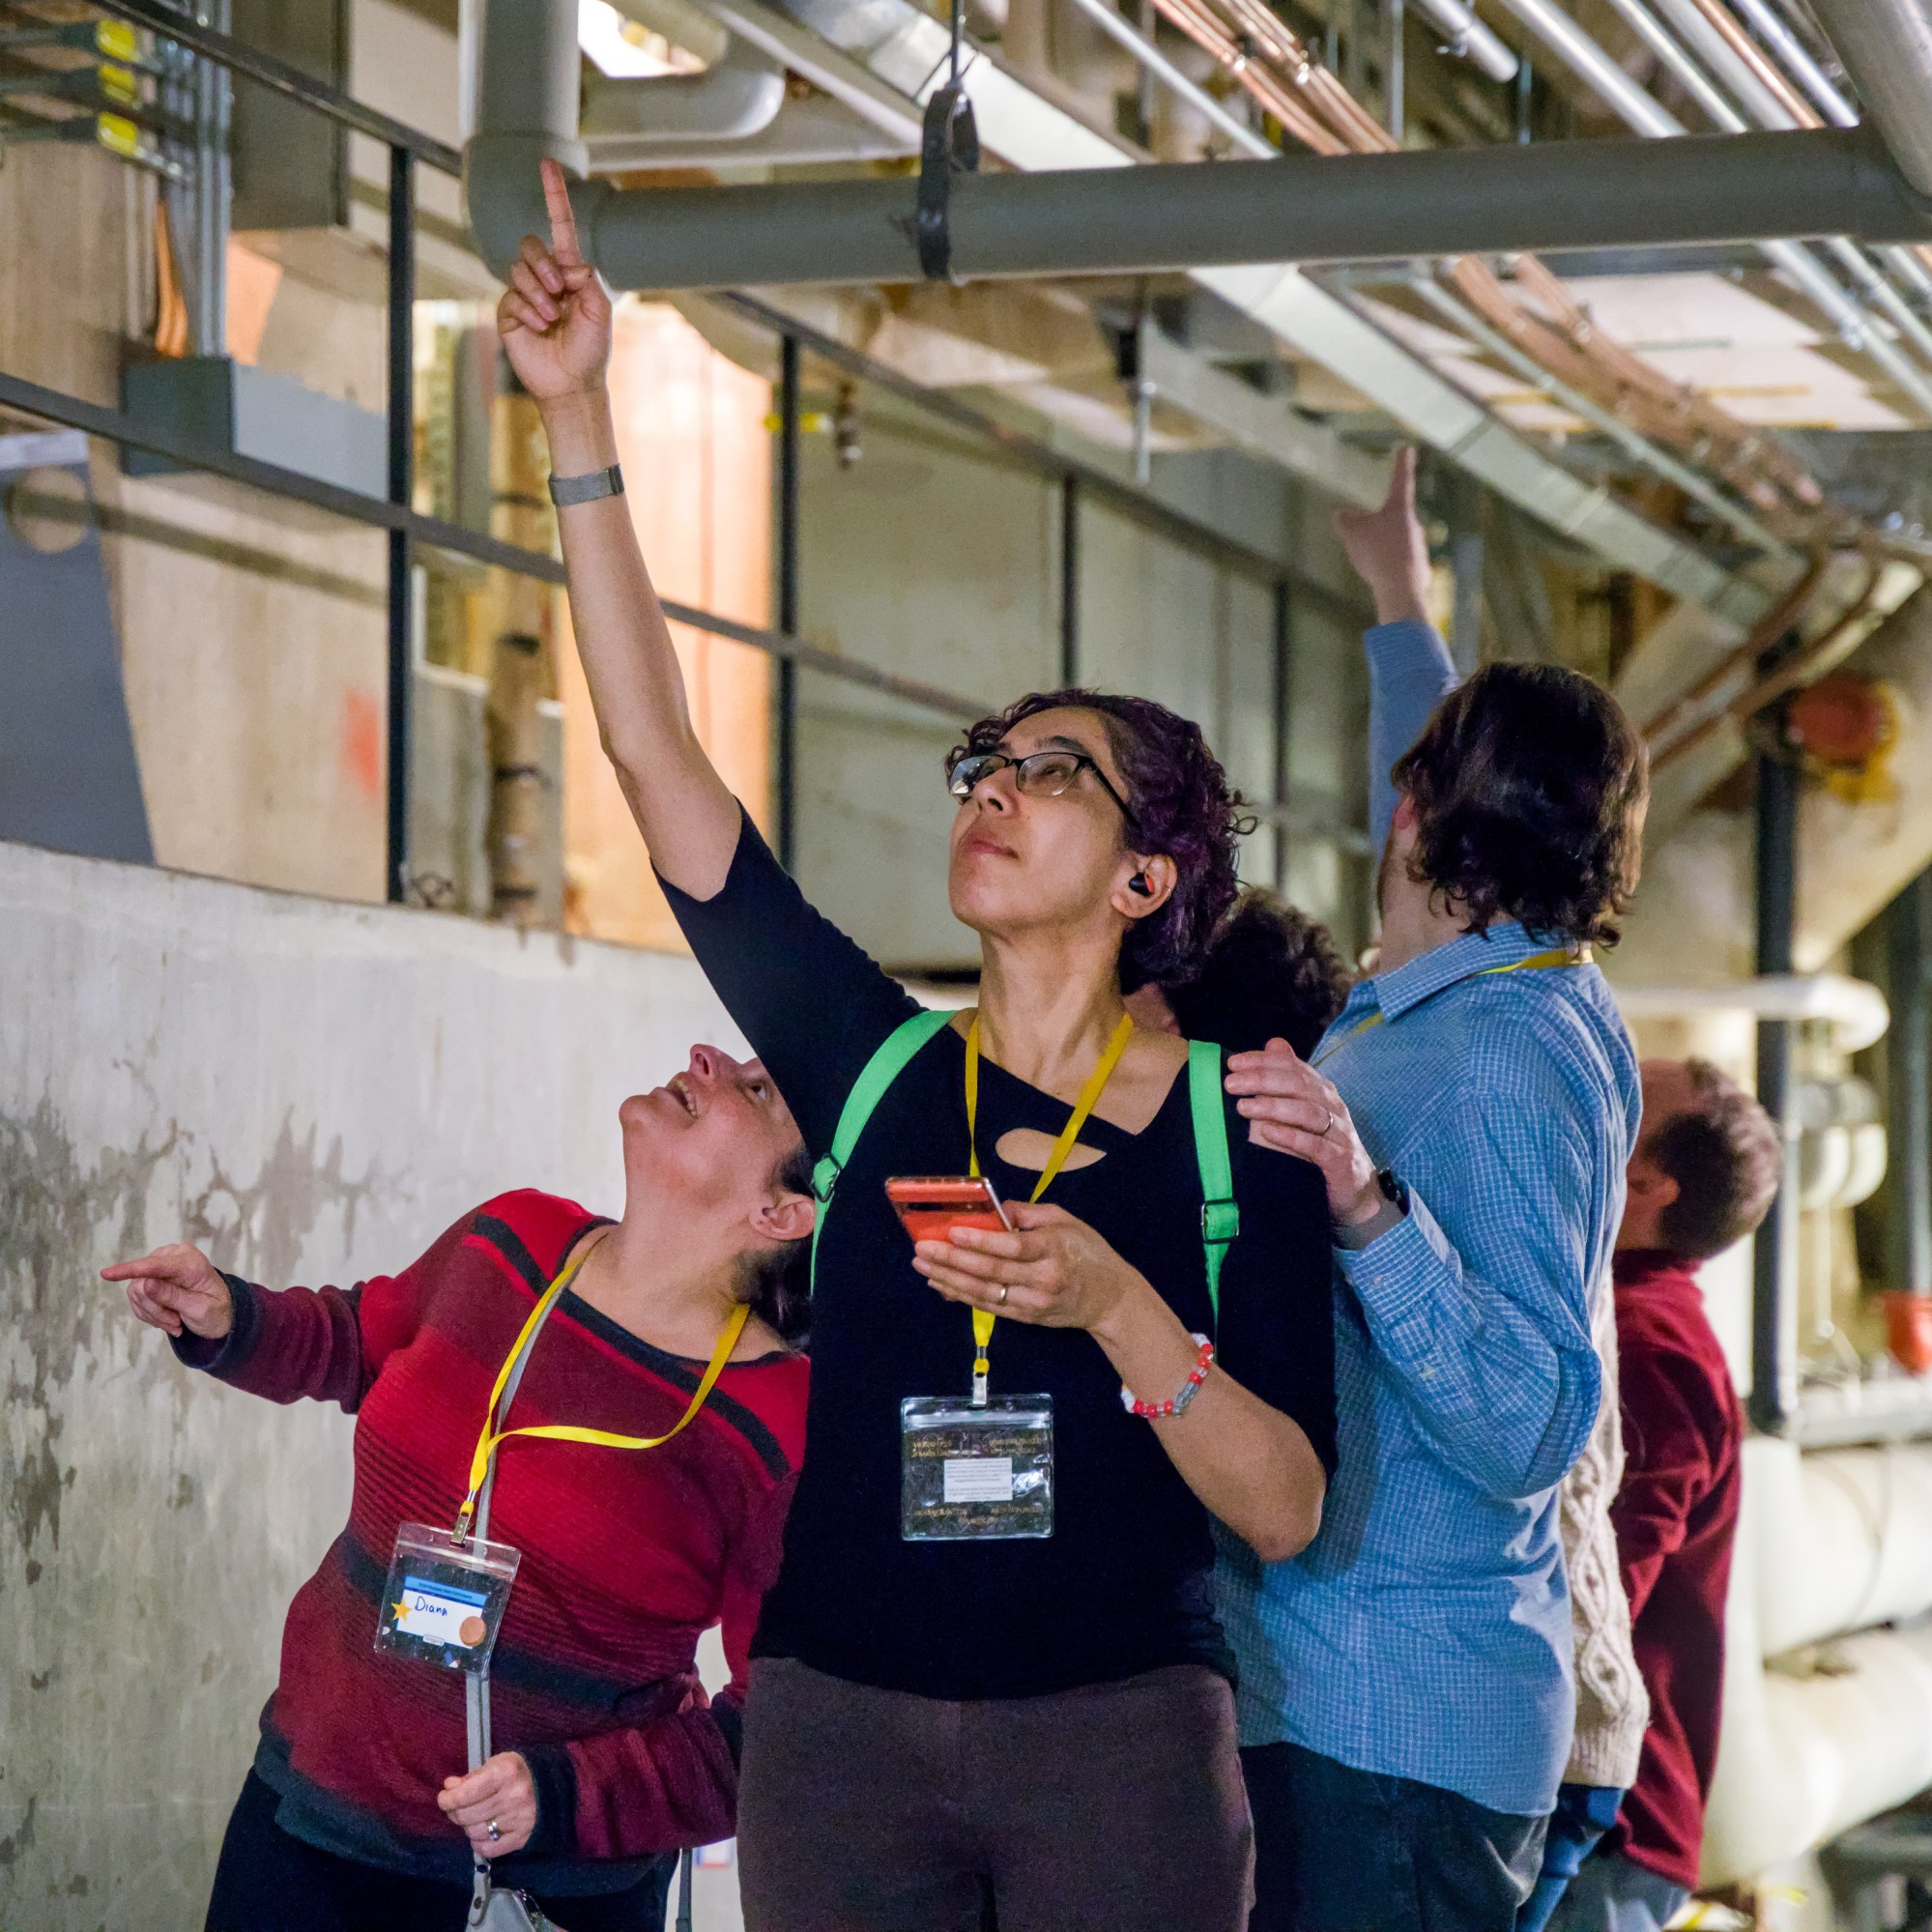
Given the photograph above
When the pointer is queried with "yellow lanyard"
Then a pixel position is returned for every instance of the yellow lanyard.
(1535, 963)
(1089, 1099)
(486, 1443)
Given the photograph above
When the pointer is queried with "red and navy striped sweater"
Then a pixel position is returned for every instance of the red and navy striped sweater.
(628, 1557)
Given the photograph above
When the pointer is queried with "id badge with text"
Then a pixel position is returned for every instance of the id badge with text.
(444, 1601)
(967, 1473)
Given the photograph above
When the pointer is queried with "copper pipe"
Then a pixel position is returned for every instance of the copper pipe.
(1769, 75)
(1766, 632)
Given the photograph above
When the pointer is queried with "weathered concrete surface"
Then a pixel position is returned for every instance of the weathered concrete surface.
(313, 1091)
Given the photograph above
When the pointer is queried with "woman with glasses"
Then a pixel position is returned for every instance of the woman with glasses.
(988, 1678)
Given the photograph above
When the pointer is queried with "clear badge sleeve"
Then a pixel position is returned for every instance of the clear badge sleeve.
(967, 1472)
(443, 1603)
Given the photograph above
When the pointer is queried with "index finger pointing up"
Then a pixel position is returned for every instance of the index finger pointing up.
(563, 247)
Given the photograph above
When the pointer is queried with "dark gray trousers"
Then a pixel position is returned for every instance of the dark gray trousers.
(1114, 1808)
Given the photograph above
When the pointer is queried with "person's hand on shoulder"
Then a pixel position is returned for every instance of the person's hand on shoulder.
(1291, 1108)
(177, 1288)
(1389, 547)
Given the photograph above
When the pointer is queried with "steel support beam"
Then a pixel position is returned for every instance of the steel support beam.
(1909, 1086)
(401, 488)
(1069, 581)
(785, 745)
(1698, 189)
(1774, 1254)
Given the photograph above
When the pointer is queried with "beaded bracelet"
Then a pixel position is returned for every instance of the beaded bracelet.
(1189, 1390)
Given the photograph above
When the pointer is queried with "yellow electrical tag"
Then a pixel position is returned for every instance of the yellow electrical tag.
(119, 83)
(116, 39)
(118, 135)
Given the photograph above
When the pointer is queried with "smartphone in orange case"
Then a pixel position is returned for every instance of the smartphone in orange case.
(930, 1206)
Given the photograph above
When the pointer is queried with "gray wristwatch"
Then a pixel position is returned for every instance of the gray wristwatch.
(568, 490)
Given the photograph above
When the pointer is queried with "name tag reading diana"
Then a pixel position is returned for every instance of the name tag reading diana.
(445, 1600)
(967, 1472)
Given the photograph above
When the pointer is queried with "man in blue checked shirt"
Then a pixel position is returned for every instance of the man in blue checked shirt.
(1406, 1691)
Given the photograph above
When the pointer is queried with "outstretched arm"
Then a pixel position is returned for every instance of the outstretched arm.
(554, 322)
(1409, 667)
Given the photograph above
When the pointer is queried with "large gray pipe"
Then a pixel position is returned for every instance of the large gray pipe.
(737, 97)
(1582, 195)
(1887, 48)
(519, 91)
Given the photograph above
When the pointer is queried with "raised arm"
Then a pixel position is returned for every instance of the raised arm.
(554, 321)
(1409, 668)
(317, 1345)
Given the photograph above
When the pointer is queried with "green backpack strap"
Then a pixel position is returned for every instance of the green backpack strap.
(885, 1067)
(1220, 1214)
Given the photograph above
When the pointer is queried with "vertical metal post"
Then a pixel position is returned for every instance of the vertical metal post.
(1909, 1086)
(214, 94)
(1396, 71)
(1525, 89)
(1773, 1296)
(1283, 638)
(785, 759)
(1149, 24)
(402, 485)
(1069, 581)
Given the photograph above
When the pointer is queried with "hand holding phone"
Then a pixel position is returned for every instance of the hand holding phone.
(930, 1206)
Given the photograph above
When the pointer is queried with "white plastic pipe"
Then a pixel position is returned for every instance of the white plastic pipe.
(1469, 36)
(737, 97)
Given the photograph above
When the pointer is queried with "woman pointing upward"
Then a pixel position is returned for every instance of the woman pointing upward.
(989, 1671)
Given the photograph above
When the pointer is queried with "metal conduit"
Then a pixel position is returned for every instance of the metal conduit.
(1769, 109)
(1650, 117)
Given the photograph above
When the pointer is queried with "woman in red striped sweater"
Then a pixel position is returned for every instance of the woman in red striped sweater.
(359, 1812)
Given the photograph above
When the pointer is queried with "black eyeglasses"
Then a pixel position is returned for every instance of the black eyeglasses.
(1040, 774)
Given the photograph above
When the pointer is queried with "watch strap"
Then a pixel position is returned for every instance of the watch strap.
(568, 490)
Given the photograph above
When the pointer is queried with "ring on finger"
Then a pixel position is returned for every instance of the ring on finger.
(1005, 1290)
(490, 1826)
(1327, 1121)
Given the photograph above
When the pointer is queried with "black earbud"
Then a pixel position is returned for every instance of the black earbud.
(1139, 883)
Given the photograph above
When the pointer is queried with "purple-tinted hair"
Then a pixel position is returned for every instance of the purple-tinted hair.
(1183, 807)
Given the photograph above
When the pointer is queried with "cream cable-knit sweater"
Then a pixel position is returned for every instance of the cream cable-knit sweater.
(1612, 1707)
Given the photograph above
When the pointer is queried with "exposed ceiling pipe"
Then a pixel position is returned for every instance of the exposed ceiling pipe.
(1648, 117)
(889, 55)
(1772, 102)
(814, 131)
(518, 106)
(1797, 61)
(1350, 208)
(1112, 22)
(1469, 37)
(1660, 462)
(737, 97)
(1887, 48)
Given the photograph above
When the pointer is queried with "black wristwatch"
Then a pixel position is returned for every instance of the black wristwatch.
(1396, 1194)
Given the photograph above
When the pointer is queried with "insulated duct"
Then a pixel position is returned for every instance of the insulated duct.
(814, 131)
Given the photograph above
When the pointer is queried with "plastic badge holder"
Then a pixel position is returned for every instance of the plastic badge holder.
(970, 1473)
(445, 1600)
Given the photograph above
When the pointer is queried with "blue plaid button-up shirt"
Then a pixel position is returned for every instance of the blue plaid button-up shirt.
(1425, 1632)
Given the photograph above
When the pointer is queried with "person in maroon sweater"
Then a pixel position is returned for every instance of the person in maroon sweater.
(1702, 1177)
(359, 1812)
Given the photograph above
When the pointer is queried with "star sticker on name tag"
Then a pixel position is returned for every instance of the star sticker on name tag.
(401, 1610)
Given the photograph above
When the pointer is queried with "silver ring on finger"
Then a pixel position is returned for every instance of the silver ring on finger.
(1004, 1292)
(490, 1826)
(1327, 1121)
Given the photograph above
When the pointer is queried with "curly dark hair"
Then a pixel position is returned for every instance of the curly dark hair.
(777, 1282)
(1271, 972)
(1183, 807)
(1529, 788)
(1726, 1156)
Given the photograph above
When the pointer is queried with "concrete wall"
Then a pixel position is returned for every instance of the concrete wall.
(311, 1091)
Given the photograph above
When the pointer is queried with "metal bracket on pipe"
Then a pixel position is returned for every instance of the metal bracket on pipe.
(948, 146)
